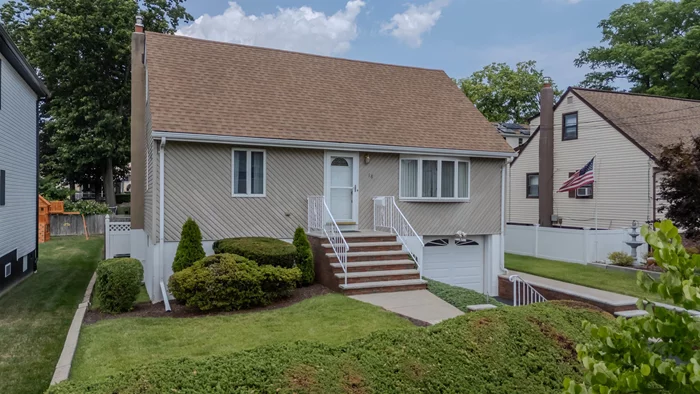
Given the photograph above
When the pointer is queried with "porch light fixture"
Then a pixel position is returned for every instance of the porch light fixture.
(461, 236)
(366, 158)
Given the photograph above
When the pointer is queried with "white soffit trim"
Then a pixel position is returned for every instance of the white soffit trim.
(342, 146)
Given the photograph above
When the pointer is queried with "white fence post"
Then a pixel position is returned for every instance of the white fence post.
(537, 240)
(108, 254)
(586, 237)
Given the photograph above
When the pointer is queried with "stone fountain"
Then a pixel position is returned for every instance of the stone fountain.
(633, 243)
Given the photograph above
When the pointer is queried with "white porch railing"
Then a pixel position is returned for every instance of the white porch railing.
(320, 219)
(523, 293)
(117, 238)
(388, 217)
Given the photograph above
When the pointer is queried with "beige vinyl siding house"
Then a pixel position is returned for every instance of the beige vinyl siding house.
(246, 137)
(625, 164)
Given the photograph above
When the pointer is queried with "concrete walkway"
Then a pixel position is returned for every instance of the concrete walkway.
(602, 296)
(419, 304)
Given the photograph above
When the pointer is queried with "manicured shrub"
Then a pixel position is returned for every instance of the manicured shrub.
(118, 283)
(621, 258)
(264, 251)
(231, 282)
(190, 247)
(305, 258)
(86, 207)
(526, 349)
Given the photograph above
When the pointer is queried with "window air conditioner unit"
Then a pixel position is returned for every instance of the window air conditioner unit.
(584, 192)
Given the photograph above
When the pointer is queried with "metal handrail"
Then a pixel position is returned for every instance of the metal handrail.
(393, 220)
(523, 293)
(317, 211)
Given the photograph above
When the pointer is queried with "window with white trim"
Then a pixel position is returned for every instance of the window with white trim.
(25, 265)
(8, 269)
(428, 178)
(248, 173)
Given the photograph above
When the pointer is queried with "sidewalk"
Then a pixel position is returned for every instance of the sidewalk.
(419, 305)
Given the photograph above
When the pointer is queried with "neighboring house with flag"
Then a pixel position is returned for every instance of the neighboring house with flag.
(624, 132)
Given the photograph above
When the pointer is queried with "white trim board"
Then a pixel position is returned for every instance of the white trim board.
(342, 146)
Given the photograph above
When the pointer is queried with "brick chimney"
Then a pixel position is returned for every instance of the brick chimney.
(138, 124)
(546, 185)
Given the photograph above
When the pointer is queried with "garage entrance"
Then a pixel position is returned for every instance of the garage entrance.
(458, 262)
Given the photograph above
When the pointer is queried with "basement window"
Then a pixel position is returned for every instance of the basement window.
(8, 269)
(25, 265)
(434, 179)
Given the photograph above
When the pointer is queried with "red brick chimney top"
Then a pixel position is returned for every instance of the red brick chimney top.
(139, 24)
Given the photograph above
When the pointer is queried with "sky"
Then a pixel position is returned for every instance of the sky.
(458, 36)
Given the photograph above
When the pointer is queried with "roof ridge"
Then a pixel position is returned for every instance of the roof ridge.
(292, 52)
(635, 94)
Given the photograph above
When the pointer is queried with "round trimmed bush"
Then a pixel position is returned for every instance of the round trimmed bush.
(118, 284)
(231, 282)
(264, 251)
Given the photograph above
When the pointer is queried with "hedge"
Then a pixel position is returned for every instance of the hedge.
(118, 284)
(508, 350)
(231, 282)
(264, 251)
(123, 198)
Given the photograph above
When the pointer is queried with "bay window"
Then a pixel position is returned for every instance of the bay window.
(434, 179)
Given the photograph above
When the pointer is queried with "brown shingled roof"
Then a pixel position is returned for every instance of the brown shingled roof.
(206, 87)
(649, 121)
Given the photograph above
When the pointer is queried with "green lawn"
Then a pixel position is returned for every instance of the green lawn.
(35, 315)
(459, 297)
(580, 274)
(116, 345)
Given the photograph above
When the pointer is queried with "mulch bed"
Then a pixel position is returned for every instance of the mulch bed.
(182, 311)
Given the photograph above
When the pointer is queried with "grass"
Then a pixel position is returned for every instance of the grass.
(459, 297)
(35, 315)
(111, 346)
(597, 278)
(141, 298)
(527, 349)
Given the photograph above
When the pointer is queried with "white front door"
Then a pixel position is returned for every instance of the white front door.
(341, 187)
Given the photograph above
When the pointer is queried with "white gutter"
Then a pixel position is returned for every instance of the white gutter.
(161, 223)
(504, 169)
(342, 146)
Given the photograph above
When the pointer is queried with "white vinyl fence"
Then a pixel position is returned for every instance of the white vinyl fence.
(117, 238)
(571, 245)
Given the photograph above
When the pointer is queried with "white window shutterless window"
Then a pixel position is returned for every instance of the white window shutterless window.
(249, 169)
(436, 179)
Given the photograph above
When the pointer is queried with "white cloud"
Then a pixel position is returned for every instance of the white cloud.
(297, 29)
(410, 25)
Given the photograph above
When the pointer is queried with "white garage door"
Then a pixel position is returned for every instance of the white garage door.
(454, 261)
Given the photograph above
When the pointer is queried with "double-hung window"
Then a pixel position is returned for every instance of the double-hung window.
(569, 126)
(533, 185)
(427, 178)
(249, 173)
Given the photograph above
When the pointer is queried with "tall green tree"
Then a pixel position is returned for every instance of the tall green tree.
(680, 177)
(504, 94)
(654, 45)
(81, 49)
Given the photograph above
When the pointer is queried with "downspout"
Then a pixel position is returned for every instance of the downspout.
(161, 220)
(501, 254)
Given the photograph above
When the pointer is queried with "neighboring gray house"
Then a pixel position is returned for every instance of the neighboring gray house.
(20, 90)
(256, 142)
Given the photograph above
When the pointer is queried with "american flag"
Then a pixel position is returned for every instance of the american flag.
(582, 177)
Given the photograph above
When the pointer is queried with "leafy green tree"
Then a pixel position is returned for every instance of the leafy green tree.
(305, 258)
(190, 249)
(53, 190)
(654, 45)
(504, 94)
(680, 164)
(81, 49)
(657, 353)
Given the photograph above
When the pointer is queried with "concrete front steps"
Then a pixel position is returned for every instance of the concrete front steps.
(376, 264)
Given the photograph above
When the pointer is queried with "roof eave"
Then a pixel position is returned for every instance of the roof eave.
(20, 64)
(342, 146)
